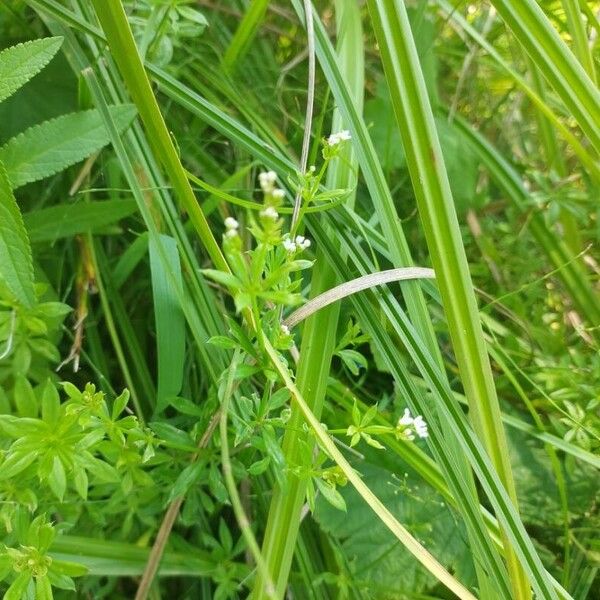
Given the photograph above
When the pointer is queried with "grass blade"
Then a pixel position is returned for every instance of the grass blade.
(438, 216)
(556, 62)
(169, 318)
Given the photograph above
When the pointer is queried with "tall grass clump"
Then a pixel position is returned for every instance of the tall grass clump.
(299, 300)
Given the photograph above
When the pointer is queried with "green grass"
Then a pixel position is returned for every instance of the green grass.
(246, 460)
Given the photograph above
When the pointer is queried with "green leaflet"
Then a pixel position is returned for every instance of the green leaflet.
(54, 145)
(16, 264)
(66, 220)
(18, 64)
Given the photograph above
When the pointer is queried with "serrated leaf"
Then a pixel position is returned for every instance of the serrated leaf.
(16, 264)
(54, 145)
(18, 64)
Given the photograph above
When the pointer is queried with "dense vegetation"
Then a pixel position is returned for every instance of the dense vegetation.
(184, 414)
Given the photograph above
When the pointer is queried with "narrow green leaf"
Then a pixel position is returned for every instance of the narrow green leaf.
(18, 64)
(169, 318)
(57, 480)
(438, 216)
(25, 399)
(117, 559)
(245, 32)
(43, 588)
(16, 264)
(18, 588)
(67, 220)
(51, 146)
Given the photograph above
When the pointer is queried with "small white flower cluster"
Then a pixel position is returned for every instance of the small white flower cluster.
(285, 330)
(300, 243)
(413, 425)
(269, 213)
(335, 138)
(267, 181)
(231, 227)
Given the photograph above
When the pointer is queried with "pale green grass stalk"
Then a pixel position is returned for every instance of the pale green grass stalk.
(407, 540)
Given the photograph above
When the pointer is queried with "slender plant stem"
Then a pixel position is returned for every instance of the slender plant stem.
(236, 503)
(310, 100)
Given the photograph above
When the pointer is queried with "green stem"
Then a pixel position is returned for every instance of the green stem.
(122, 46)
(318, 340)
(236, 503)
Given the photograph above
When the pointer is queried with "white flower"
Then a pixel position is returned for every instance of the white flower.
(410, 426)
(312, 169)
(420, 426)
(267, 180)
(335, 138)
(278, 194)
(269, 213)
(231, 224)
(289, 245)
(285, 329)
(302, 243)
(231, 233)
(406, 419)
